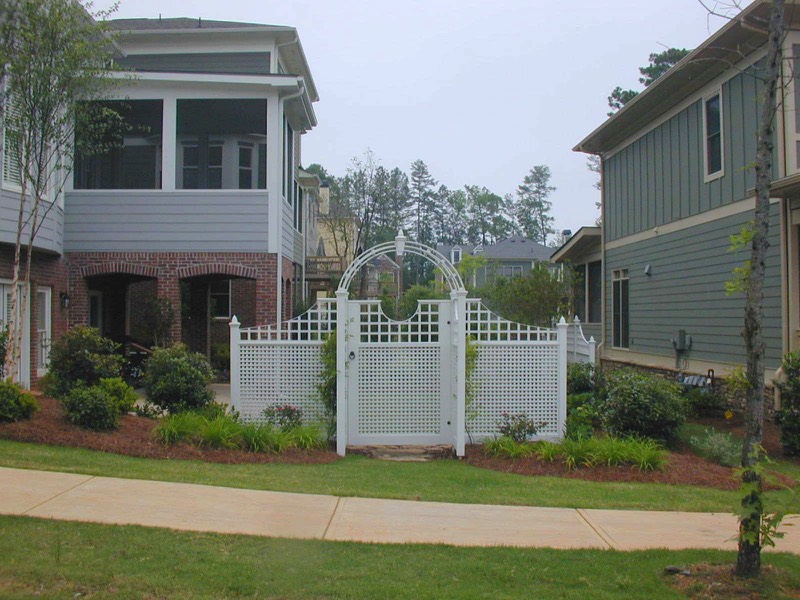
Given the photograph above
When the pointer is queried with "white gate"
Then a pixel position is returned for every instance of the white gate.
(399, 388)
(404, 382)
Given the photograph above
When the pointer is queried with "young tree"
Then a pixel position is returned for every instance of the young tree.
(56, 58)
(748, 563)
(532, 204)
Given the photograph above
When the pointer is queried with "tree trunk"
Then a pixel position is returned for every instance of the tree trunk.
(14, 347)
(748, 562)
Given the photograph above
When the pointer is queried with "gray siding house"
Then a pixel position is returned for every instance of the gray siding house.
(201, 201)
(511, 257)
(677, 183)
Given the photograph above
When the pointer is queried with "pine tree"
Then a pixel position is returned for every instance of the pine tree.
(532, 205)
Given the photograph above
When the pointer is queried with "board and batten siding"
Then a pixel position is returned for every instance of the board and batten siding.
(50, 237)
(686, 290)
(229, 221)
(226, 63)
(659, 177)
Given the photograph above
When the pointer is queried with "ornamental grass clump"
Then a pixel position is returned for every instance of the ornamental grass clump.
(607, 451)
(506, 447)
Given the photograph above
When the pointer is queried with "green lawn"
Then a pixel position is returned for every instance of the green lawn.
(52, 559)
(441, 481)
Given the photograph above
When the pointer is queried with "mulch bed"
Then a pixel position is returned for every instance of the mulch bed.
(134, 438)
(718, 582)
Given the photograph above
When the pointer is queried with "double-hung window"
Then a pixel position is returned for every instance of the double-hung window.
(712, 120)
(620, 324)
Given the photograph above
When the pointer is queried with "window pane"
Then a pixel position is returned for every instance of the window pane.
(130, 141)
(713, 135)
(190, 156)
(245, 157)
(220, 126)
(245, 179)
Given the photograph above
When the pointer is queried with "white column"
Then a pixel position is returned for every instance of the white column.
(562, 376)
(460, 324)
(169, 143)
(592, 350)
(341, 371)
(236, 340)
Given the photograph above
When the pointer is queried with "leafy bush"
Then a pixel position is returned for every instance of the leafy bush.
(718, 446)
(176, 379)
(639, 404)
(327, 384)
(582, 416)
(121, 392)
(506, 447)
(221, 357)
(704, 402)
(788, 417)
(81, 357)
(15, 404)
(283, 416)
(580, 378)
(91, 407)
(534, 298)
(519, 427)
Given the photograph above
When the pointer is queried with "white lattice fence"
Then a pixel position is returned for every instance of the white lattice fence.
(579, 349)
(518, 370)
(281, 366)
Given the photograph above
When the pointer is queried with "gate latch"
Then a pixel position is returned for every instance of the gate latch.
(352, 355)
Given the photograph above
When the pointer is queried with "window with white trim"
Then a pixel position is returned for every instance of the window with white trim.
(621, 309)
(455, 255)
(712, 120)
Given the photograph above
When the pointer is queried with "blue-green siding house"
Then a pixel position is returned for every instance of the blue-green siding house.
(677, 182)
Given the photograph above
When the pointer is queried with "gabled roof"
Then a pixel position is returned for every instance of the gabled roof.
(585, 240)
(739, 37)
(513, 248)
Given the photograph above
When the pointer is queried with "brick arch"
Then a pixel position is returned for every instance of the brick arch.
(110, 268)
(216, 269)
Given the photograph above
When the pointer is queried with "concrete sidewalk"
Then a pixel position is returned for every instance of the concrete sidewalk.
(279, 514)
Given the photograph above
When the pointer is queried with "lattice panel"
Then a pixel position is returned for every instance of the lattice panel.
(376, 327)
(312, 326)
(515, 378)
(399, 390)
(485, 326)
(280, 374)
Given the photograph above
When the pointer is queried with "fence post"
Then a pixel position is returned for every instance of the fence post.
(236, 364)
(460, 322)
(592, 350)
(341, 366)
(562, 376)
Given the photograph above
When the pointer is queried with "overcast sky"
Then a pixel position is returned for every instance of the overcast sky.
(480, 90)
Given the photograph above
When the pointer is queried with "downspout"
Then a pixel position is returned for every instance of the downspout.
(289, 184)
(603, 260)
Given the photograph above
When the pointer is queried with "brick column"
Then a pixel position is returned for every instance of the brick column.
(170, 289)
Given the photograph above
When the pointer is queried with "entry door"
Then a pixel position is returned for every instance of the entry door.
(400, 376)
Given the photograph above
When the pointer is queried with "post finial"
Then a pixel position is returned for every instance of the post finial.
(400, 243)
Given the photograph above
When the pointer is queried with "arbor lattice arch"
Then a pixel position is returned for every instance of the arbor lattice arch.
(401, 246)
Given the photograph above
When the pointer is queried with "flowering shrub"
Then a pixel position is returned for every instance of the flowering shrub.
(284, 416)
(519, 427)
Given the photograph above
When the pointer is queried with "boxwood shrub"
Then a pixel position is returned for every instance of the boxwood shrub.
(81, 358)
(15, 404)
(176, 379)
(641, 404)
(92, 407)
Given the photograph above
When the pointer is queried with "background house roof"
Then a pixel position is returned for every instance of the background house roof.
(513, 248)
(183, 23)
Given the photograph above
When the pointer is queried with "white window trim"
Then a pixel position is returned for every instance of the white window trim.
(41, 369)
(620, 275)
(709, 177)
(453, 252)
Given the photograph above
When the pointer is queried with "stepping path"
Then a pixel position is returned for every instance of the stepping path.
(194, 507)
